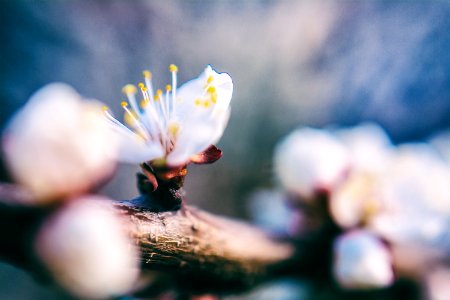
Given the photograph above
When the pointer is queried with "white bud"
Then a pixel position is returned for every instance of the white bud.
(59, 144)
(309, 160)
(361, 260)
(85, 246)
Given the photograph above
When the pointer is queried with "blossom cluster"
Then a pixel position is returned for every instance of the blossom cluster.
(390, 202)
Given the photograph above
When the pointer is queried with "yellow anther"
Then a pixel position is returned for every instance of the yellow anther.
(210, 79)
(123, 104)
(168, 88)
(105, 108)
(141, 85)
(173, 128)
(129, 89)
(147, 74)
(206, 104)
(173, 68)
(198, 102)
(158, 95)
(214, 97)
(211, 89)
(144, 103)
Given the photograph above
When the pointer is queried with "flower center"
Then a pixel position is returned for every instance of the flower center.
(154, 118)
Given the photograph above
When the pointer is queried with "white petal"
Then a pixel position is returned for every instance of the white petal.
(197, 137)
(134, 149)
(309, 159)
(187, 111)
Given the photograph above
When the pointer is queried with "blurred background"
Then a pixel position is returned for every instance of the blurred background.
(317, 63)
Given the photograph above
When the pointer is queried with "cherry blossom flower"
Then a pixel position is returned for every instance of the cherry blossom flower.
(174, 127)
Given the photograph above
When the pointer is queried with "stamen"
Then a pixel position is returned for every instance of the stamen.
(133, 117)
(148, 82)
(173, 69)
(147, 74)
(210, 79)
(144, 103)
(158, 96)
(130, 90)
(116, 122)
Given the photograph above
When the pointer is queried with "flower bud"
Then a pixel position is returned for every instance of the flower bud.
(58, 144)
(361, 260)
(86, 249)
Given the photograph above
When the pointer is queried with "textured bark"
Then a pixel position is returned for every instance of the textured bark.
(198, 250)
(201, 247)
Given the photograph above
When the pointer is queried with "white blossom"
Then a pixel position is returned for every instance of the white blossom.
(308, 160)
(361, 260)
(85, 247)
(59, 144)
(369, 145)
(414, 197)
(174, 125)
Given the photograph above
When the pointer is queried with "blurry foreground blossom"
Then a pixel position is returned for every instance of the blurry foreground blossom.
(361, 260)
(86, 249)
(176, 126)
(59, 144)
(309, 161)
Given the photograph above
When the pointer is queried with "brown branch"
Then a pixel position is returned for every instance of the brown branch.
(199, 249)
(203, 247)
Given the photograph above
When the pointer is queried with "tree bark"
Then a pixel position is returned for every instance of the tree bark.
(199, 250)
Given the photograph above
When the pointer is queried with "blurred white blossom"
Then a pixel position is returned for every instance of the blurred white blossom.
(59, 144)
(176, 124)
(85, 247)
(309, 160)
(414, 197)
(369, 145)
(361, 260)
